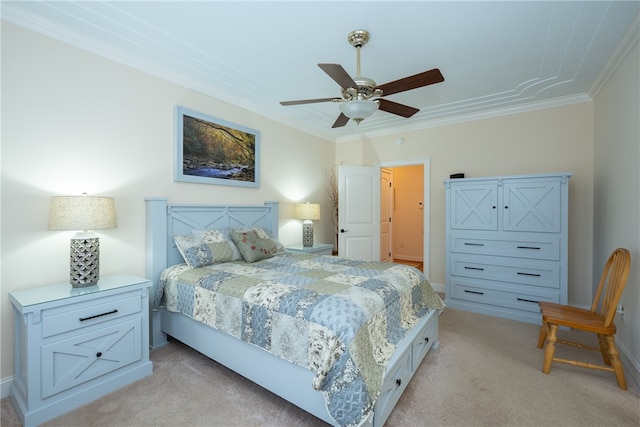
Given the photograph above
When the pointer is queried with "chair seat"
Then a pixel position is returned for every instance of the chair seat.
(577, 318)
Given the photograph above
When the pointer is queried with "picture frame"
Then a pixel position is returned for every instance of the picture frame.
(213, 151)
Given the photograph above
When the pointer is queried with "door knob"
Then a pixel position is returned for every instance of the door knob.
(342, 230)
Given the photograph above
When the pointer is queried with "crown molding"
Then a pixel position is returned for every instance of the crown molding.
(630, 39)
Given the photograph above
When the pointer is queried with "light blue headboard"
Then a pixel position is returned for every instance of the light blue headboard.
(167, 220)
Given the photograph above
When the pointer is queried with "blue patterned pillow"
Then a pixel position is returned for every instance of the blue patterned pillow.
(198, 252)
(219, 235)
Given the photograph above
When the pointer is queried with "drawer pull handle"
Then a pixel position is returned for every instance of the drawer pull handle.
(473, 268)
(473, 244)
(527, 300)
(528, 274)
(398, 382)
(98, 354)
(473, 292)
(82, 319)
(528, 247)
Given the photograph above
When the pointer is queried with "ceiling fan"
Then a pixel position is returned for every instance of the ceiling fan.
(361, 96)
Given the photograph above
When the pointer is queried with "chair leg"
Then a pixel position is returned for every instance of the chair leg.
(542, 335)
(604, 349)
(549, 348)
(615, 361)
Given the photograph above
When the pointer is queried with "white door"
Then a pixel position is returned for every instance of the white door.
(359, 212)
(386, 213)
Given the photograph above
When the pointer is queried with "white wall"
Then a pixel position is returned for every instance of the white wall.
(617, 190)
(75, 122)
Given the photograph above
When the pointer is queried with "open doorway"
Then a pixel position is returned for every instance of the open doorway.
(404, 212)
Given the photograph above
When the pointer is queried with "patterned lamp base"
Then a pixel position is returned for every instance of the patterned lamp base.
(85, 260)
(307, 233)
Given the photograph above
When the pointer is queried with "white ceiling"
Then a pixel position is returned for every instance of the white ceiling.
(496, 57)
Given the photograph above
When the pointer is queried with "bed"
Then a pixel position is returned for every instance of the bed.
(338, 383)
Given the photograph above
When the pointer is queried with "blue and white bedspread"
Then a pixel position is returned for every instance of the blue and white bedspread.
(339, 318)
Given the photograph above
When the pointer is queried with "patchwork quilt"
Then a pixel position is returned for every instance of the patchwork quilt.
(340, 318)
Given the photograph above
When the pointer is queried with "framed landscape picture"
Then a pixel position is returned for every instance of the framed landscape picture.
(213, 151)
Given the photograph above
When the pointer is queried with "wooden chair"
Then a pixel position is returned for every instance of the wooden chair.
(598, 320)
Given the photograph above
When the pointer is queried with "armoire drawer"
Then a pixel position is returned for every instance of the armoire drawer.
(537, 273)
(544, 247)
(504, 297)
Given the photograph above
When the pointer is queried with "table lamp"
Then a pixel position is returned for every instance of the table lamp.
(307, 212)
(83, 213)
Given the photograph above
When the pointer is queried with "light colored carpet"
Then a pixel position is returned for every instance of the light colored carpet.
(486, 372)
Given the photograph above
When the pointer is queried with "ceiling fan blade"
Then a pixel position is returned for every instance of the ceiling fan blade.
(308, 101)
(340, 121)
(337, 73)
(412, 82)
(395, 108)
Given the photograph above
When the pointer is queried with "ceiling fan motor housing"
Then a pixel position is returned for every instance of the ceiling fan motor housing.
(366, 89)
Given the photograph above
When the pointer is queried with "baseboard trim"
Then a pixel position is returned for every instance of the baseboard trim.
(438, 287)
(5, 386)
(407, 257)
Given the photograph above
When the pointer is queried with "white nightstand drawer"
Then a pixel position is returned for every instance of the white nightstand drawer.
(75, 316)
(70, 362)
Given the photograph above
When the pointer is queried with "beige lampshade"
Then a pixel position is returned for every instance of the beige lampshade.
(307, 211)
(82, 213)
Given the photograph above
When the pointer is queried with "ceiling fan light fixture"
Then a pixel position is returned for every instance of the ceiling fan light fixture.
(358, 109)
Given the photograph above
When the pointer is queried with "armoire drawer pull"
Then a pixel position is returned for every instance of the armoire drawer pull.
(529, 247)
(473, 268)
(473, 244)
(528, 274)
(527, 300)
(473, 292)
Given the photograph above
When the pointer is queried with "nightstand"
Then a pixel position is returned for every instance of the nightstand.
(73, 345)
(317, 249)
